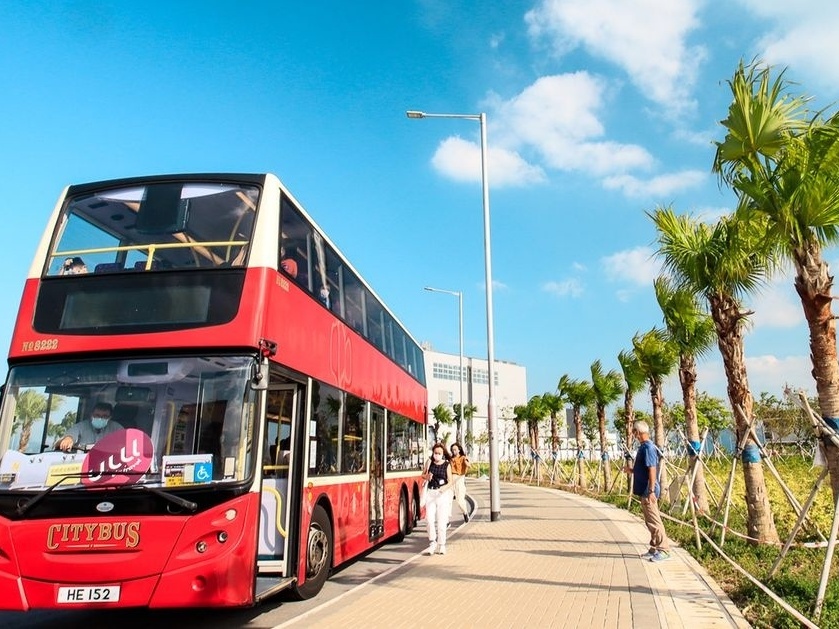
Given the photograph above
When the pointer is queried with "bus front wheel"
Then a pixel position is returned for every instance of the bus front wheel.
(318, 554)
(404, 518)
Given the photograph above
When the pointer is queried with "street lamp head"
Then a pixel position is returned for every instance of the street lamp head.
(456, 293)
(415, 114)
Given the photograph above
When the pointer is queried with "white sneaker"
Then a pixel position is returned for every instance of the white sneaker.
(442, 549)
(432, 548)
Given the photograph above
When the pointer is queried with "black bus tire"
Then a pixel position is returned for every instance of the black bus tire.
(319, 553)
(404, 519)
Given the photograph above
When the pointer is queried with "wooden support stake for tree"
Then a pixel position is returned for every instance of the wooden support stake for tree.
(810, 500)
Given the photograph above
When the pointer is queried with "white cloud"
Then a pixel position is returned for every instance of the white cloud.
(770, 373)
(711, 215)
(461, 160)
(766, 372)
(660, 186)
(571, 287)
(496, 285)
(647, 38)
(557, 117)
(802, 37)
(777, 305)
(637, 266)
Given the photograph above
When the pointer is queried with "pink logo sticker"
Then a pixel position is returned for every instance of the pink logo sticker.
(118, 458)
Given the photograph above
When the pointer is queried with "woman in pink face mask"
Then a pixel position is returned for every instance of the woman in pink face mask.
(438, 505)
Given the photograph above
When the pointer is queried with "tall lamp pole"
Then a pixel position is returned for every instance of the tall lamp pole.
(492, 429)
(459, 296)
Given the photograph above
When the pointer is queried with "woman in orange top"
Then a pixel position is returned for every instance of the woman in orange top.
(460, 465)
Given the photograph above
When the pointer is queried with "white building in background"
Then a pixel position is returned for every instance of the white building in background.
(441, 374)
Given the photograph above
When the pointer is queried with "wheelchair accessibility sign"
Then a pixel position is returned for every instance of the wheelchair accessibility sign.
(187, 469)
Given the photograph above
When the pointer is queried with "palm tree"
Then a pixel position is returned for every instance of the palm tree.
(467, 413)
(579, 394)
(519, 418)
(722, 263)
(656, 357)
(536, 412)
(633, 381)
(553, 404)
(606, 388)
(442, 415)
(786, 168)
(692, 330)
(30, 406)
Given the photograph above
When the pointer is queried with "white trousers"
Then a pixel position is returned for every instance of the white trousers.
(438, 509)
(460, 492)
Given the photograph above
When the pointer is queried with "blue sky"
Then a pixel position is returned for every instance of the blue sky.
(598, 111)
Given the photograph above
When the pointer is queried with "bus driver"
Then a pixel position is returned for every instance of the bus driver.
(88, 432)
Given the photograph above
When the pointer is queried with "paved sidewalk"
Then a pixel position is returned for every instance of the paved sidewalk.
(553, 559)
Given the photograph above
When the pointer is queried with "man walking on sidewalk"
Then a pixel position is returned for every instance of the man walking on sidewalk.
(645, 486)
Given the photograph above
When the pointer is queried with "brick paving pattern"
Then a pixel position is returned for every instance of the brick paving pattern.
(553, 559)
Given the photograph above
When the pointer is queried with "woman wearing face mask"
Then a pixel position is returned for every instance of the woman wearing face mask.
(88, 432)
(438, 504)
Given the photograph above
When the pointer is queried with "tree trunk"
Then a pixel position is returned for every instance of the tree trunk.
(687, 378)
(814, 285)
(581, 464)
(604, 455)
(629, 414)
(554, 435)
(657, 399)
(728, 322)
(25, 436)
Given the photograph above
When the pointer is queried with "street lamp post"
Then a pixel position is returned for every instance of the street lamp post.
(459, 296)
(492, 429)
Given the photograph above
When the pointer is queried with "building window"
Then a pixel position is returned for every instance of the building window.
(445, 371)
(481, 376)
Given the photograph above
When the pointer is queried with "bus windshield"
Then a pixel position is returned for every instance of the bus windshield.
(167, 422)
(167, 225)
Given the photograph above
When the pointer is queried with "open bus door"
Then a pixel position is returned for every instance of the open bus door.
(279, 473)
(376, 528)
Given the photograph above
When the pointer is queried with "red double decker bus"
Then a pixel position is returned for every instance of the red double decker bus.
(205, 404)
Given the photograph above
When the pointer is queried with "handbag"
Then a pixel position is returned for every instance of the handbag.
(424, 494)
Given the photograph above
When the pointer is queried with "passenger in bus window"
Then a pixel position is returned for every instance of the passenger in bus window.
(324, 295)
(87, 432)
(288, 264)
(73, 266)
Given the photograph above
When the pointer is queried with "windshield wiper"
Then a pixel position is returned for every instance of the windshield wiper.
(26, 506)
(173, 498)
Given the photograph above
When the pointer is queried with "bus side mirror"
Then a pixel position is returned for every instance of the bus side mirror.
(259, 374)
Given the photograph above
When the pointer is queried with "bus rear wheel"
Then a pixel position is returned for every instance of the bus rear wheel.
(318, 554)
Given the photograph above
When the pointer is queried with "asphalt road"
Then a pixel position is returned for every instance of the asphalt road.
(265, 615)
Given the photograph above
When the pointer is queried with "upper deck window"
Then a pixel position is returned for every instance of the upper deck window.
(167, 225)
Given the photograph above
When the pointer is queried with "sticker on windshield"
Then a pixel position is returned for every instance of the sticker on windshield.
(187, 469)
(118, 458)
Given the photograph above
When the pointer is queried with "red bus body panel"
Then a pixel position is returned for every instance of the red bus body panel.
(156, 562)
(297, 323)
